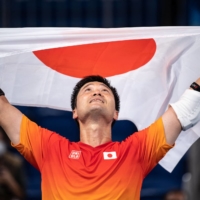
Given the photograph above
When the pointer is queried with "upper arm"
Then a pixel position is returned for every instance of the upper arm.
(152, 145)
(36, 143)
(172, 125)
(10, 120)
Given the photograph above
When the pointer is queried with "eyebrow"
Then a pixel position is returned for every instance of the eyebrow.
(93, 84)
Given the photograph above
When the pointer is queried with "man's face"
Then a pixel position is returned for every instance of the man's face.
(95, 100)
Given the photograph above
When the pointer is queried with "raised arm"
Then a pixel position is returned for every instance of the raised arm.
(10, 119)
(181, 115)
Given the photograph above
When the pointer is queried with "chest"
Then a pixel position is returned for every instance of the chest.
(92, 163)
(109, 172)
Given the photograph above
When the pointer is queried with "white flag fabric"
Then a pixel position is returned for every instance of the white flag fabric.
(150, 67)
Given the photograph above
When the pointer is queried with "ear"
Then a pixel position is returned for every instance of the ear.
(116, 113)
(75, 115)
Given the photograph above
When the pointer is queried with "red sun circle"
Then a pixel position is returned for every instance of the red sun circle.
(109, 155)
(105, 59)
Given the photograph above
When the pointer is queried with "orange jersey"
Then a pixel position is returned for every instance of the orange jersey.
(74, 170)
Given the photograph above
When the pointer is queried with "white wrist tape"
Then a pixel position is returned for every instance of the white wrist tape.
(187, 109)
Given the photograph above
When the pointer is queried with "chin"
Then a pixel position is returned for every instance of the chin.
(97, 112)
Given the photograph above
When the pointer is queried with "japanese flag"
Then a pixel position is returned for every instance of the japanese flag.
(150, 67)
(109, 155)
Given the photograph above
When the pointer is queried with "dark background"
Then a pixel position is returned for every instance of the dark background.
(105, 14)
(98, 13)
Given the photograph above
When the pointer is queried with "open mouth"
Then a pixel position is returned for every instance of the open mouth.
(96, 100)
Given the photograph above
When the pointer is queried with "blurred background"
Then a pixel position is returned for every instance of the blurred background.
(106, 14)
(98, 13)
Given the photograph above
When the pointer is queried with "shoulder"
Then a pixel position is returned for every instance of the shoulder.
(150, 131)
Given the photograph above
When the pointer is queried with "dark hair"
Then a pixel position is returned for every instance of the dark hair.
(93, 78)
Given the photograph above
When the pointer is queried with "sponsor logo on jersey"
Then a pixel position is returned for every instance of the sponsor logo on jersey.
(75, 154)
(109, 155)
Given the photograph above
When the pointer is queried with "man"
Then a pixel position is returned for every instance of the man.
(97, 168)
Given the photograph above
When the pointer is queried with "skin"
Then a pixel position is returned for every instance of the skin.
(95, 112)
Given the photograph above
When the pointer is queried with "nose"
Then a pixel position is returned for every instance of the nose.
(97, 92)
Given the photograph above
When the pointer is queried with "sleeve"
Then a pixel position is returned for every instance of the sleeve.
(152, 145)
(34, 142)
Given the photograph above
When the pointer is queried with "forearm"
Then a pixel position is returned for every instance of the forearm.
(182, 114)
(10, 119)
(3, 107)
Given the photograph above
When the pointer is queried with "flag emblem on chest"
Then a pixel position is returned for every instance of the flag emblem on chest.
(75, 154)
(109, 155)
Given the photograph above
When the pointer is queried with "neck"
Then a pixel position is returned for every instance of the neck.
(94, 134)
